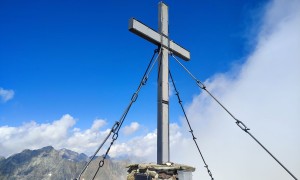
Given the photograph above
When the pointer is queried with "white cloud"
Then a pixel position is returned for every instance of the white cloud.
(133, 127)
(6, 95)
(98, 123)
(59, 133)
(144, 147)
(141, 146)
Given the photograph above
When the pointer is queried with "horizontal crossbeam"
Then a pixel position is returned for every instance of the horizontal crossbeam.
(149, 34)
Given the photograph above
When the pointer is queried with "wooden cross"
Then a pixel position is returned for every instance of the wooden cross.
(162, 40)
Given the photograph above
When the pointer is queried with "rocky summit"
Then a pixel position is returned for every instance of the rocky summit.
(47, 164)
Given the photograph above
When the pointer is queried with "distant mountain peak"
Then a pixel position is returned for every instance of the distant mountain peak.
(72, 155)
(47, 148)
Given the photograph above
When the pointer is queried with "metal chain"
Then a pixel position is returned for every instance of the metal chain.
(237, 121)
(191, 130)
(116, 127)
(133, 99)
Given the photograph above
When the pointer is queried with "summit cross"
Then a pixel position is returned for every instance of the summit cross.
(167, 46)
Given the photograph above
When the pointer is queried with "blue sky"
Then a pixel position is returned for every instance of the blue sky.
(69, 68)
(79, 58)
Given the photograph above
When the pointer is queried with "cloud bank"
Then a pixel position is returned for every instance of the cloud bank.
(264, 94)
(6, 95)
(60, 133)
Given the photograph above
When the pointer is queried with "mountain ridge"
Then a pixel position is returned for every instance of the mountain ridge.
(49, 163)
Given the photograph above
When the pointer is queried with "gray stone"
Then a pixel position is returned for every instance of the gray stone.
(168, 171)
